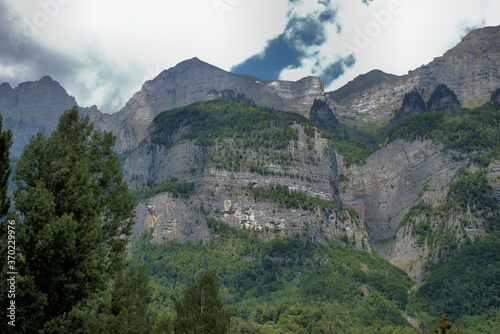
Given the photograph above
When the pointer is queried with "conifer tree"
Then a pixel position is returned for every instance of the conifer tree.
(200, 310)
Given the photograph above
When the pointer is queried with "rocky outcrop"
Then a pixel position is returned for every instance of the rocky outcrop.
(194, 80)
(413, 104)
(182, 220)
(391, 181)
(36, 106)
(228, 95)
(226, 195)
(443, 98)
(398, 177)
(323, 116)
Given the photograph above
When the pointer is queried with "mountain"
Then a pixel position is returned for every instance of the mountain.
(471, 70)
(239, 158)
(39, 104)
(248, 191)
(34, 106)
(194, 80)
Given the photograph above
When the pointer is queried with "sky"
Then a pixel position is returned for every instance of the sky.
(102, 51)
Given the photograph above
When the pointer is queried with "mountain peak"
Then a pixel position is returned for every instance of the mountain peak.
(46, 79)
(477, 42)
(5, 87)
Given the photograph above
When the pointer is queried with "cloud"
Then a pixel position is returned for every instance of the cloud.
(88, 72)
(334, 70)
(305, 32)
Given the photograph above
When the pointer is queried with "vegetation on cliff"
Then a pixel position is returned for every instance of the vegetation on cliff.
(205, 122)
(281, 284)
(466, 131)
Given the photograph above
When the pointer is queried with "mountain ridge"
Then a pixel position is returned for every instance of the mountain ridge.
(376, 95)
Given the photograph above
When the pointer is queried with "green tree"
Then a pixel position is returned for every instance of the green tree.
(445, 326)
(121, 308)
(200, 310)
(5, 144)
(75, 214)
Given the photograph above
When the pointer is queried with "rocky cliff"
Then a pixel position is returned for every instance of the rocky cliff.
(304, 164)
(34, 106)
(471, 70)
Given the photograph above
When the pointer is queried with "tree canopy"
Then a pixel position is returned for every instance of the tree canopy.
(75, 214)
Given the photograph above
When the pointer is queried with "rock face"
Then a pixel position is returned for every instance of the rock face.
(391, 181)
(34, 106)
(471, 70)
(443, 98)
(40, 104)
(413, 104)
(394, 179)
(323, 116)
(226, 194)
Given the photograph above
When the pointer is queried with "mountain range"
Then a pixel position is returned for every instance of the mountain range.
(471, 70)
(390, 164)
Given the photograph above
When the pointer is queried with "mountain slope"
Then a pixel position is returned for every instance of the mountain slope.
(194, 80)
(250, 167)
(471, 69)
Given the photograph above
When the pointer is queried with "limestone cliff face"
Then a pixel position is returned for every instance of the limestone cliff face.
(471, 70)
(36, 106)
(396, 178)
(391, 181)
(225, 194)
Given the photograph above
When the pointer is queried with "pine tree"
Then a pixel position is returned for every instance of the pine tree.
(200, 310)
(76, 214)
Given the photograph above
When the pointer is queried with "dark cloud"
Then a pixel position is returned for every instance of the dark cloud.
(22, 58)
(298, 42)
(367, 2)
(334, 70)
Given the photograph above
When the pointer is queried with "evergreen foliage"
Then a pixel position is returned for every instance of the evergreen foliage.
(75, 215)
(280, 285)
(200, 310)
(204, 122)
(5, 169)
(467, 131)
(173, 186)
(463, 286)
